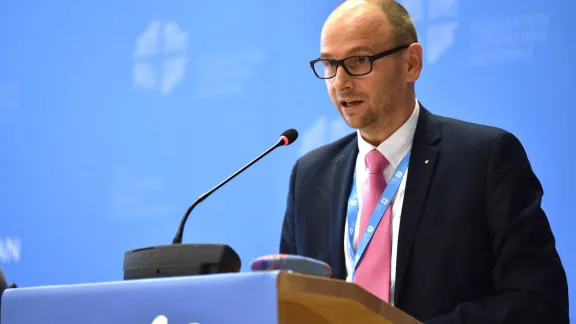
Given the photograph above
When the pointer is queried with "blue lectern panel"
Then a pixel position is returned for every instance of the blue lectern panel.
(214, 299)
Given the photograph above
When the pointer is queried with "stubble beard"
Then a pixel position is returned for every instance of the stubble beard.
(375, 119)
(380, 116)
(378, 123)
(360, 122)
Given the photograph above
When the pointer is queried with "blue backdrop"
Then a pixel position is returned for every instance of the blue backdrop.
(114, 116)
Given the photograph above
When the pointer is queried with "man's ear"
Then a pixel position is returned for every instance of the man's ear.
(413, 56)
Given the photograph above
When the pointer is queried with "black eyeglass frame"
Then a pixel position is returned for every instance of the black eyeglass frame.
(370, 58)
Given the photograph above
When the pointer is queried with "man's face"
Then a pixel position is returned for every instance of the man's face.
(367, 101)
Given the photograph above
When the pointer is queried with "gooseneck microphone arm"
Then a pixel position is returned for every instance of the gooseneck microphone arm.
(179, 259)
(287, 138)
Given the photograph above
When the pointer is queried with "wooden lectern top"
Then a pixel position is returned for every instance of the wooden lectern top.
(305, 299)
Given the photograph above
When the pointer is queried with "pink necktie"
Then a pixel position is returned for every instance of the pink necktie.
(373, 271)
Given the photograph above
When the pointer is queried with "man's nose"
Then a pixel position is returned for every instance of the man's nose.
(342, 80)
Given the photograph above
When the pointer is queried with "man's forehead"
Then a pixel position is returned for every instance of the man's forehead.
(359, 31)
(357, 48)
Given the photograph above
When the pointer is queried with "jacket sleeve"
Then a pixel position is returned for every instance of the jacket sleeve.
(528, 276)
(288, 236)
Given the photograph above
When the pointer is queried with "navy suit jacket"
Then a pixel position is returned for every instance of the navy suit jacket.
(474, 244)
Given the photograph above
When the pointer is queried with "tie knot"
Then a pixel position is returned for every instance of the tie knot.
(376, 161)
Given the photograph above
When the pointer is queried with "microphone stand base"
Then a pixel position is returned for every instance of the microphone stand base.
(180, 260)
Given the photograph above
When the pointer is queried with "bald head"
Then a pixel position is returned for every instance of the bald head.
(389, 12)
(357, 18)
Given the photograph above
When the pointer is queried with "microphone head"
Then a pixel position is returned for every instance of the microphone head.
(295, 263)
(289, 136)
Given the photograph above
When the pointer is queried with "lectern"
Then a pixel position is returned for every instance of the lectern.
(238, 298)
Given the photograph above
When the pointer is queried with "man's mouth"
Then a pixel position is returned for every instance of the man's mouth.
(350, 103)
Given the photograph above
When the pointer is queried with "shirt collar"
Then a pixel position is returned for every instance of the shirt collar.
(395, 147)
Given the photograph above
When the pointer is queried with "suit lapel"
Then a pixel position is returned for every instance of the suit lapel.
(420, 173)
(342, 173)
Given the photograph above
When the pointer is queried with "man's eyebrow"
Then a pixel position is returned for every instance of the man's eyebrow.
(361, 48)
(353, 51)
(325, 55)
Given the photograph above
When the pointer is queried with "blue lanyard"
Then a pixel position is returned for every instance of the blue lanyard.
(377, 214)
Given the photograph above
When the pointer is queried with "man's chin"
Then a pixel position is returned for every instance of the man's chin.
(355, 123)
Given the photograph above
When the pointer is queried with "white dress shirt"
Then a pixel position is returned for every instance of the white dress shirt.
(394, 149)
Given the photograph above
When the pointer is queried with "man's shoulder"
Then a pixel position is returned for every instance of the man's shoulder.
(456, 131)
(477, 141)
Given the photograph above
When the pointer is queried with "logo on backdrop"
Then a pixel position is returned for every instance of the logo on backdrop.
(226, 74)
(322, 132)
(10, 248)
(438, 20)
(160, 57)
(161, 319)
(493, 40)
(508, 39)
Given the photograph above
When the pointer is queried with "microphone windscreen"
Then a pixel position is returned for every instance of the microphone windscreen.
(293, 263)
(289, 136)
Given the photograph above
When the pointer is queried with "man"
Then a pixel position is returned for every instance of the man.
(439, 217)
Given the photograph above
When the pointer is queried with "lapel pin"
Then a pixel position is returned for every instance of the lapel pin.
(426, 161)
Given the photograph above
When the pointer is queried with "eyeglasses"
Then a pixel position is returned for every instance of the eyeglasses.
(353, 65)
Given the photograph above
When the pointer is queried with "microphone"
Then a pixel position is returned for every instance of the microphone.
(287, 138)
(180, 259)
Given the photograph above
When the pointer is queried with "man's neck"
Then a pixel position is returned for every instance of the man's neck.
(376, 134)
